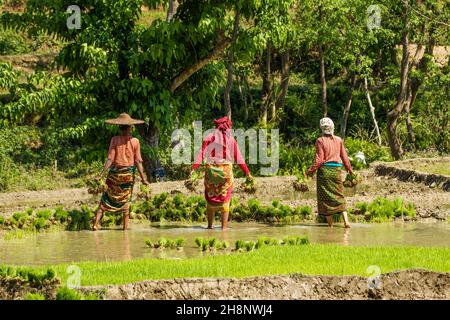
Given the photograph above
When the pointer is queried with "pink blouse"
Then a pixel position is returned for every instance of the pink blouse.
(330, 148)
(124, 151)
(230, 153)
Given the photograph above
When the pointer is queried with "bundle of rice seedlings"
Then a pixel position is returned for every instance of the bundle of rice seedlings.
(300, 184)
(249, 185)
(145, 192)
(96, 186)
(352, 180)
(193, 181)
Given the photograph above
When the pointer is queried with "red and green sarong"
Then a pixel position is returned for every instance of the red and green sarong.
(330, 191)
(218, 186)
(120, 182)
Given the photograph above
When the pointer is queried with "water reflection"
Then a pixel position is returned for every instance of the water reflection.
(114, 244)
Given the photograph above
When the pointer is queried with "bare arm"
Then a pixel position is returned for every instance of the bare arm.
(141, 173)
(106, 167)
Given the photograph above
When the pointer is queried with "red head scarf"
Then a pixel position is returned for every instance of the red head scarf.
(223, 124)
(223, 127)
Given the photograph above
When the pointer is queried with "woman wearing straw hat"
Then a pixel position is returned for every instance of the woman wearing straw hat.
(124, 156)
(330, 157)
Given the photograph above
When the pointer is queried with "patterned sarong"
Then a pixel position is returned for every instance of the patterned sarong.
(218, 186)
(330, 190)
(120, 182)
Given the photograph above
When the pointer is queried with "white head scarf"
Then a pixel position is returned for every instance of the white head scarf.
(327, 126)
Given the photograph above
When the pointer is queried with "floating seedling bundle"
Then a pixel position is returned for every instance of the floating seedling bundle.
(96, 186)
(192, 182)
(352, 180)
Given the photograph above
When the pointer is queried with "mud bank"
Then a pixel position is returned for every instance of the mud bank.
(408, 284)
(17, 289)
(408, 175)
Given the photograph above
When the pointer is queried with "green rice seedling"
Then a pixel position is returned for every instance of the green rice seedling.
(145, 192)
(249, 246)
(212, 242)
(2, 220)
(300, 183)
(40, 224)
(34, 296)
(199, 242)
(352, 180)
(180, 242)
(44, 214)
(193, 181)
(205, 246)
(65, 293)
(289, 241)
(224, 245)
(60, 214)
(302, 240)
(162, 242)
(149, 243)
(171, 244)
(29, 211)
(96, 186)
(239, 245)
(273, 242)
(249, 185)
(260, 243)
(159, 200)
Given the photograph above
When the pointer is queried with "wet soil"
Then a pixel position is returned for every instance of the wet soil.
(408, 284)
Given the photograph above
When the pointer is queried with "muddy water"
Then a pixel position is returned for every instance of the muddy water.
(114, 244)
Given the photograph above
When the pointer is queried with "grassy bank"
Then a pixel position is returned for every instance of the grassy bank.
(311, 259)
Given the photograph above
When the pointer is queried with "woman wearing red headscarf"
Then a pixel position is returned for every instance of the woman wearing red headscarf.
(219, 150)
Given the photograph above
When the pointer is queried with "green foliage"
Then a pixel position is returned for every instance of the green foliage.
(166, 243)
(34, 296)
(241, 245)
(212, 244)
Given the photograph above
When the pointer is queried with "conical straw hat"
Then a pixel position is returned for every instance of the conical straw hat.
(124, 119)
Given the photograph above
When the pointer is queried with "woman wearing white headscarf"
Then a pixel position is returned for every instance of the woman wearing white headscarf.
(330, 157)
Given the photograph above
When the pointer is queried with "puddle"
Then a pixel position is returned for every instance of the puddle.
(115, 245)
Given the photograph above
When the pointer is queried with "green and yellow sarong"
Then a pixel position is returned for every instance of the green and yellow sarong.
(330, 191)
(120, 182)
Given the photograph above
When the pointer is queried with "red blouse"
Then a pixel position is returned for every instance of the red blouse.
(230, 152)
(330, 148)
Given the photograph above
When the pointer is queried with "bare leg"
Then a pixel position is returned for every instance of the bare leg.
(126, 218)
(330, 220)
(210, 216)
(98, 217)
(346, 223)
(224, 220)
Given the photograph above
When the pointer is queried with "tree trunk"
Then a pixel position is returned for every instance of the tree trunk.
(323, 81)
(372, 111)
(247, 94)
(394, 114)
(171, 10)
(266, 86)
(284, 84)
(218, 50)
(229, 65)
(151, 139)
(347, 107)
(415, 84)
(243, 98)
